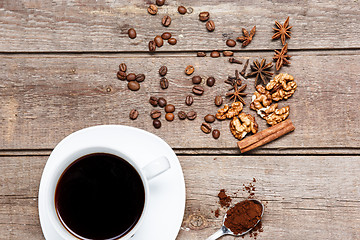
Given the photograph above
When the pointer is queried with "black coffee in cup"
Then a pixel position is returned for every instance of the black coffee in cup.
(99, 196)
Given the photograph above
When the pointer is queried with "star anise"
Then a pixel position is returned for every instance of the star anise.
(247, 38)
(234, 80)
(282, 31)
(281, 57)
(237, 93)
(261, 71)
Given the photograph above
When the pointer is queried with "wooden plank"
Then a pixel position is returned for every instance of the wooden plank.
(303, 195)
(77, 26)
(43, 98)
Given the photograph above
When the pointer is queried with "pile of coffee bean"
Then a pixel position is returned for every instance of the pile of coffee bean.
(133, 79)
(206, 127)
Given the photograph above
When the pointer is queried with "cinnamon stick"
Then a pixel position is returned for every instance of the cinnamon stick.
(266, 136)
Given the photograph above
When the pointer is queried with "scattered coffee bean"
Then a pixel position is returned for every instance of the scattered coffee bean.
(201, 54)
(181, 115)
(169, 116)
(122, 67)
(230, 43)
(157, 123)
(216, 133)
(166, 21)
(209, 118)
(210, 25)
(132, 33)
(131, 77)
(158, 41)
(182, 9)
(196, 79)
(191, 115)
(189, 100)
(152, 46)
(164, 83)
(152, 9)
(169, 108)
(160, 2)
(121, 75)
(210, 81)
(198, 90)
(140, 77)
(133, 85)
(214, 54)
(204, 16)
(206, 128)
(172, 41)
(228, 53)
(163, 71)
(189, 70)
(133, 114)
(233, 60)
(166, 35)
(153, 101)
(218, 100)
(155, 114)
(162, 102)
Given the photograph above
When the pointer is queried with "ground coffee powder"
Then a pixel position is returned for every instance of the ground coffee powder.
(224, 199)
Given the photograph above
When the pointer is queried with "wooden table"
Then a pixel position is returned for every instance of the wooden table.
(58, 75)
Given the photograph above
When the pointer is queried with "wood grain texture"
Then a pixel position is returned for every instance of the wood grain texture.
(43, 98)
(102, 25)
(316, 197)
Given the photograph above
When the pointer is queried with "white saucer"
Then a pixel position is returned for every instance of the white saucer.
(167, 191)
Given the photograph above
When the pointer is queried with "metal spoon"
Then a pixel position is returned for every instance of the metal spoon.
(225, 231)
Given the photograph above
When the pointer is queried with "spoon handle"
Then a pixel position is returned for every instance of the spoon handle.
(216, 235)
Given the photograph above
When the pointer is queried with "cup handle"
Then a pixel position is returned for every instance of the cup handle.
(156, 167)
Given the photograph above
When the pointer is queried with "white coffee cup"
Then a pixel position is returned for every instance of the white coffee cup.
(53, 172)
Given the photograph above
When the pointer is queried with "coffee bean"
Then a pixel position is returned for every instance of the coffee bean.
(191, 115)
(121, 75)
(218, 100)
(158, 41)
(206, 128)
(152, 46)
(216, 133)
(164, 83)
(133, 85)
(157, 123)
(163, 71)
(228, 53)
(169, 108)
(153, 101)
(160, 2)
(189, 100)
(181, 115)
(152, 9)
(201, 54)
(209, 118)
(204, 16)
(214, 54)
(132, 33)
(166, 35)
(172, 41)
(196, 79)
(162, 102)
(131, 77)
(140, 77)
(122, 67)
(210, 25)
(133, 114)
(230, 43)
(189, 70)
(155, 114)
(166, 21)
(198, 90)
(169, 116)
(210, 81)
(182, 10)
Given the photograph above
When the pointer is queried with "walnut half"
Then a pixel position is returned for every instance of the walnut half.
(261, 98)
(226, 112)
(278, 115)
(281, 87)
(242, 125)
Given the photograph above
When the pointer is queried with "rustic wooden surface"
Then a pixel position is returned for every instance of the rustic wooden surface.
(58, 65)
